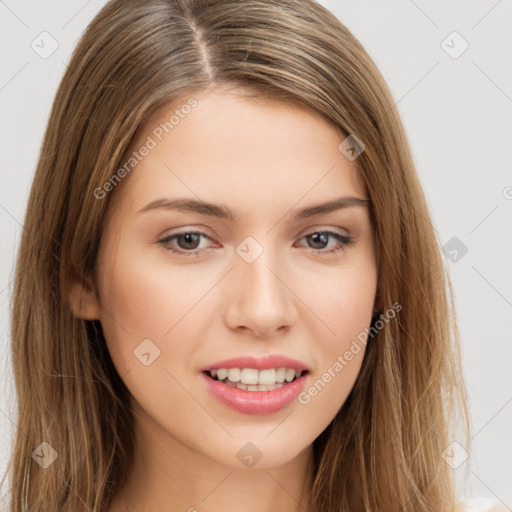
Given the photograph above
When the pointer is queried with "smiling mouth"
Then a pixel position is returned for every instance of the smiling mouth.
(251, 379)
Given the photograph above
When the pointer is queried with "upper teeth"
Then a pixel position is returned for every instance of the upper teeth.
(254, 376)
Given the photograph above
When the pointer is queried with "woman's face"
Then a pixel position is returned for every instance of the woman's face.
(179, 290)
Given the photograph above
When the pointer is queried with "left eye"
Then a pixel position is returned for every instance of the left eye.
(323, 236)
(192, 238)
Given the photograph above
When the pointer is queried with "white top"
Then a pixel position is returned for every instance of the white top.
(478, 504)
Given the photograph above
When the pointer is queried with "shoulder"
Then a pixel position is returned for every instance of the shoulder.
(481, 505)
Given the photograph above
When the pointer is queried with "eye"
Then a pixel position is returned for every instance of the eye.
(322, 237)
(188, 242)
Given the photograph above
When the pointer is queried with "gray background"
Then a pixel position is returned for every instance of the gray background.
(457, 110)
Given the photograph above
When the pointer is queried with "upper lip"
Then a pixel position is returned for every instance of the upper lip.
(259, 363)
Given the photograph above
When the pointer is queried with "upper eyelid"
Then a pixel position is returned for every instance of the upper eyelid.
(203, 233)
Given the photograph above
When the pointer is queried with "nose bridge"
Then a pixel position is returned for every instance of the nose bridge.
(257, 267)
(260, 301)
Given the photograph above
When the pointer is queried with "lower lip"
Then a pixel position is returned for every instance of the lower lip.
(255, 402)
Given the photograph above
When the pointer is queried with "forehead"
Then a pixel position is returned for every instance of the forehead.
(230, 142)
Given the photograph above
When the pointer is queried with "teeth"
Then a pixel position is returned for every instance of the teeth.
(222, 373)
(252, 379)
(234, 374)
(249, 376)
(259, 387)
(268, 377)
(290, 374)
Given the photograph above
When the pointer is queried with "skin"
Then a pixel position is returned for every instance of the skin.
(263, 160)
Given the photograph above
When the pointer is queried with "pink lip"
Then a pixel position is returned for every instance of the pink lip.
(255, 402)
(259, 363)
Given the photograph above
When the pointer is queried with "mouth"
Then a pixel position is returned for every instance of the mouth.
(252, 391)
(252, 379)
(262, 384)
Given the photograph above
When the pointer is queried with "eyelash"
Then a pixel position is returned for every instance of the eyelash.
(344, 240)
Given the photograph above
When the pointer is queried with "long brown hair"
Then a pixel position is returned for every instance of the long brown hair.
(384, 449)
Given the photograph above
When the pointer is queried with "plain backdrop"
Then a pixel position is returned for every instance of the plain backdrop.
(449, 67)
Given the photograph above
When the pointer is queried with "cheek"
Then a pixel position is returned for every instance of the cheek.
(132, 304)
(345, 306)
(145, 295)
(344, 299)
(145, 298)
(340, 357)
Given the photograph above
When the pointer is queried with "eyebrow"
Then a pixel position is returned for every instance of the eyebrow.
(222, 212)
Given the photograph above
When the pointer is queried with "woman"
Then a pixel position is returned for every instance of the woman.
(305, 355)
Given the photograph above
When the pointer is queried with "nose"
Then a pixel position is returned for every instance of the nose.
(260, 300)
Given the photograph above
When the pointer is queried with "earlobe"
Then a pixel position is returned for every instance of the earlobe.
(83, 301)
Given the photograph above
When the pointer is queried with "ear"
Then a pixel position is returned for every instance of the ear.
(83, 300)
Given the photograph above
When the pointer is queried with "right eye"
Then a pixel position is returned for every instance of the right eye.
(187, 238)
